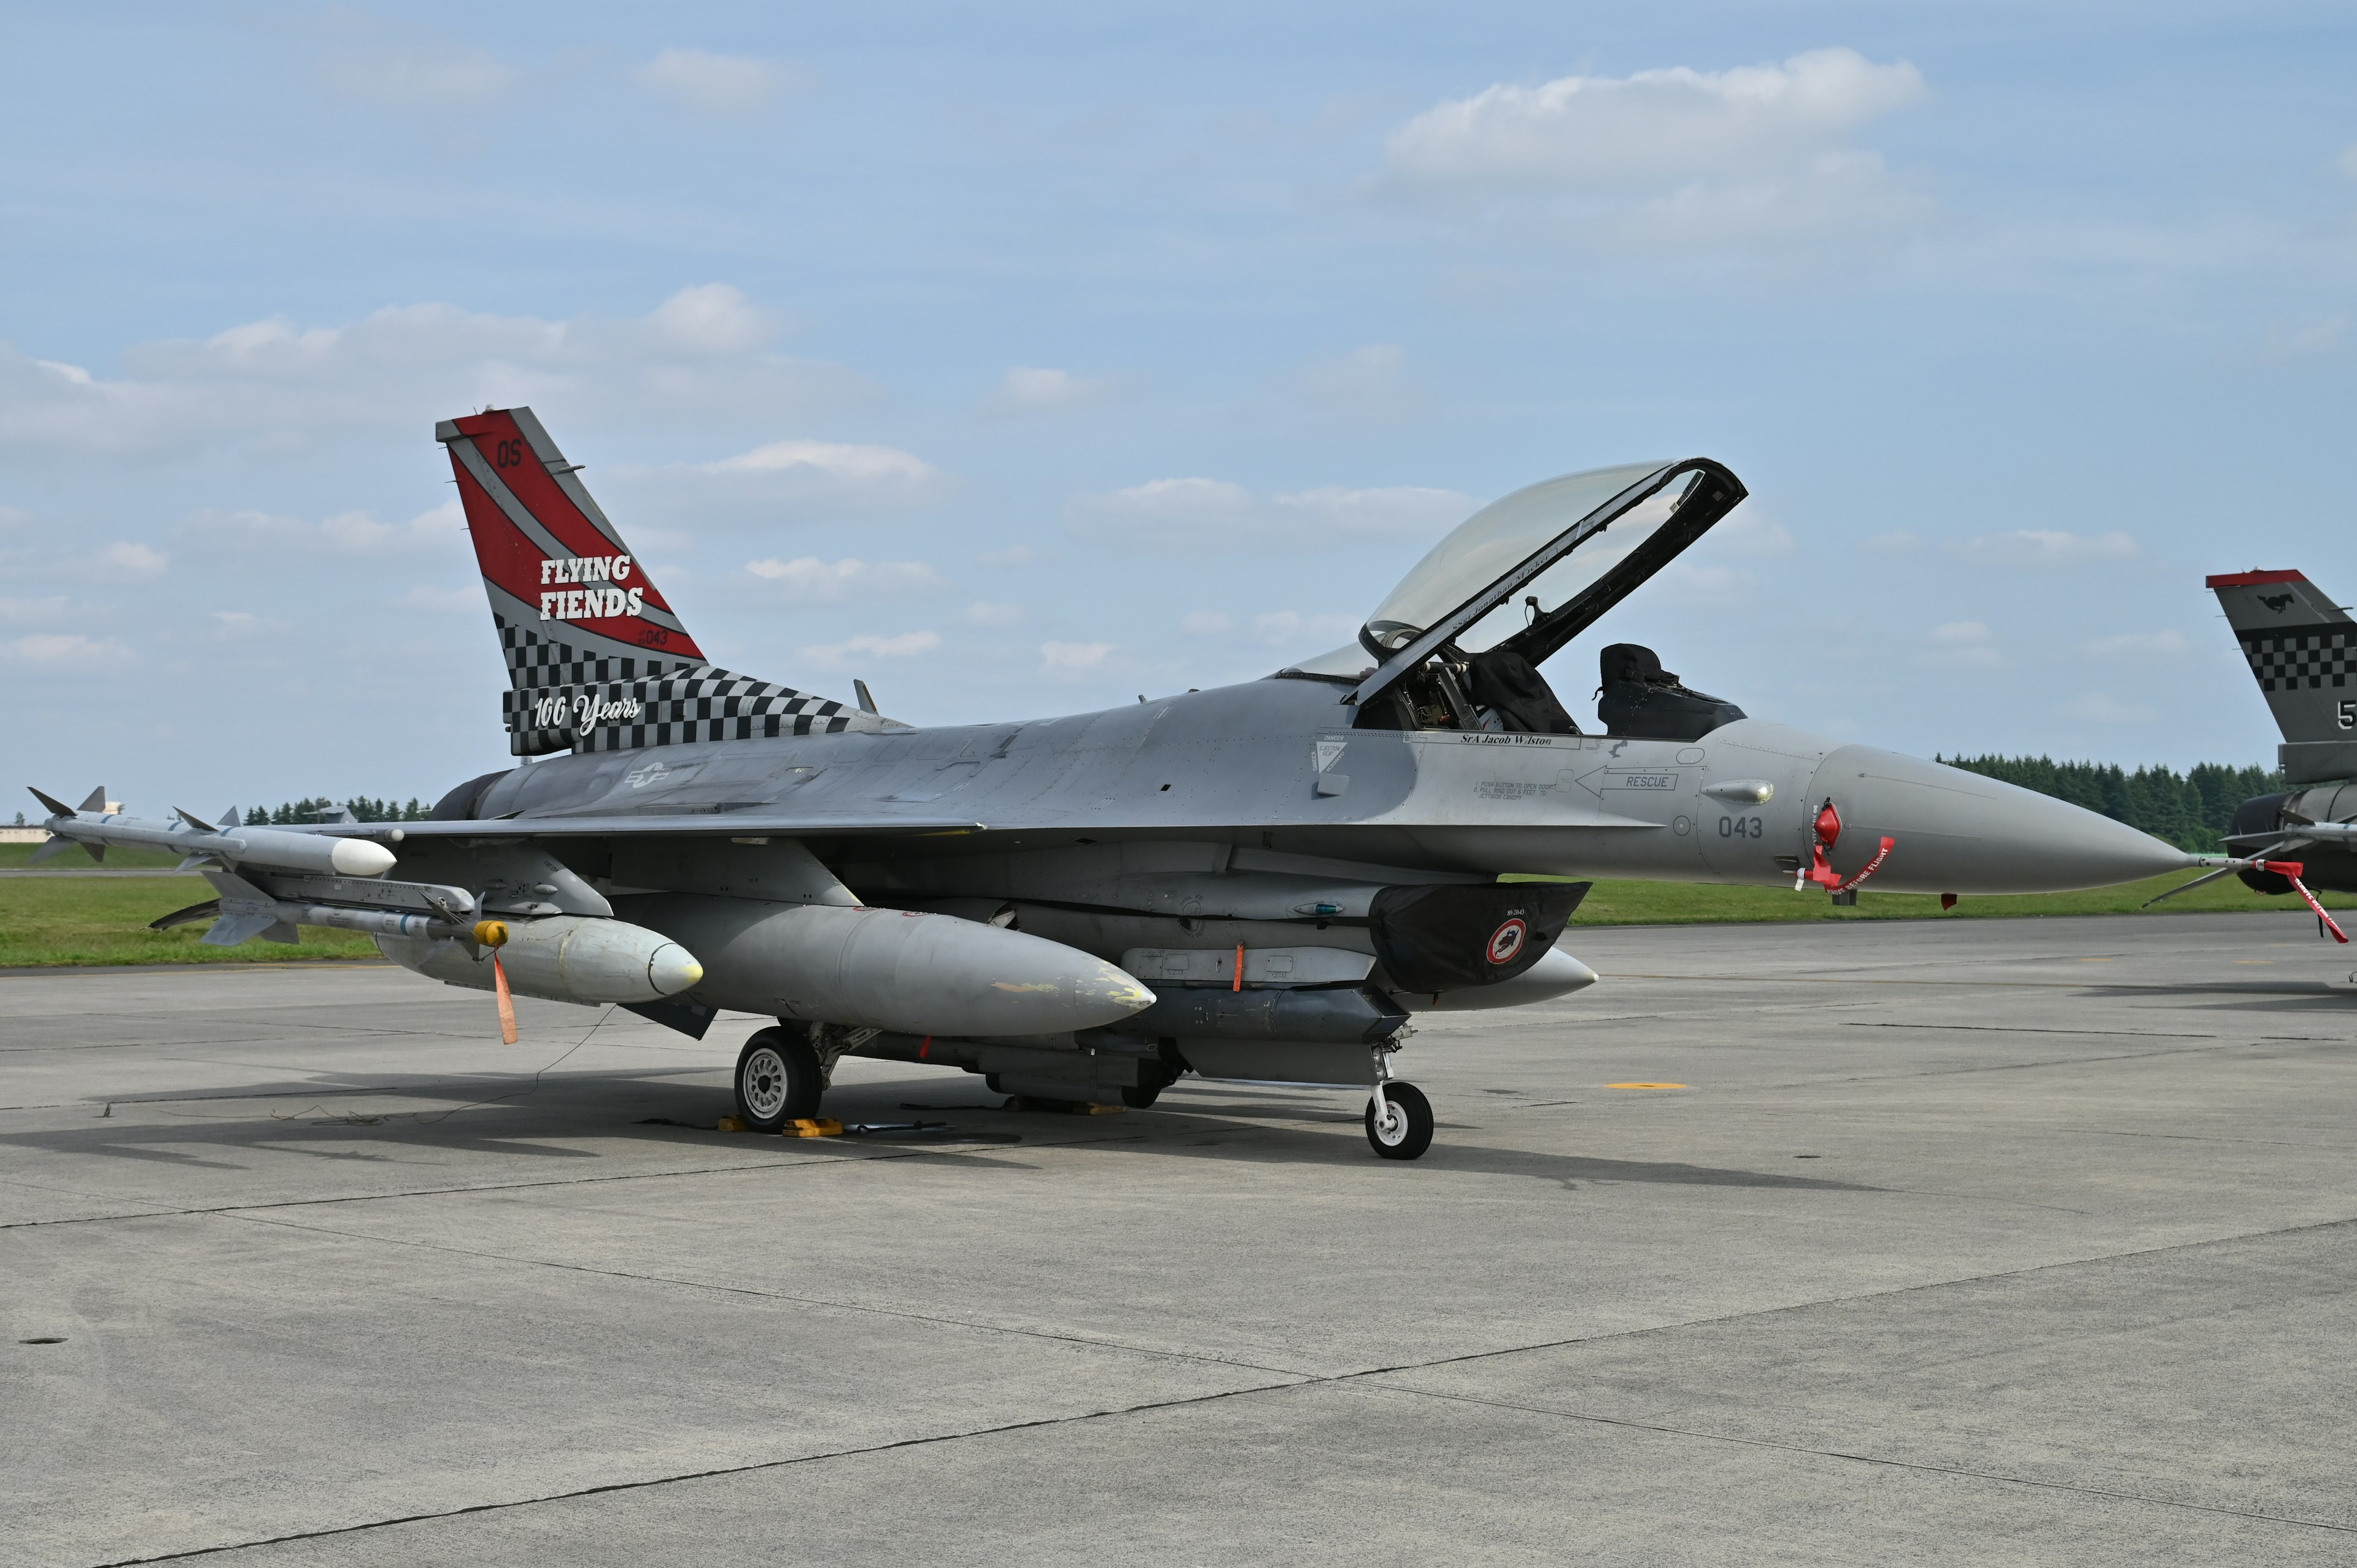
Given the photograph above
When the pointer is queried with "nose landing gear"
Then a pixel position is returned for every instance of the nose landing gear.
(1399, 1117)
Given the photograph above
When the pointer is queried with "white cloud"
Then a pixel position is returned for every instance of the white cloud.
(842, 655)
(858, 465)
(1176, 514)
(712, 83)
(1207, 623)
(808, 577)
(1655, 128)
(1072, 658)
(443, 601)
(2037, 548)
(65, 647)
(1290, 628)
(416, 69)
(1369, 384)
(1960, 645)
(1752, 536)
(2100, 707)
(711, 319)
(2138, 648)
(36, 610)
(126, 561)
(274, 388)
(982, 612)
(440, 528)
(2310, 341)
(1676, 157)
(1031, 390)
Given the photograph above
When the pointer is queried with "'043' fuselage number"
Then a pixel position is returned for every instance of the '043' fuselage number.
(1740, 828)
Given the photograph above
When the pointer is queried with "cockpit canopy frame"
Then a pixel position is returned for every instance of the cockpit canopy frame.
(1710, 490)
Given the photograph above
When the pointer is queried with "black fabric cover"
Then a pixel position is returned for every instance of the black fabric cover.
(1440, 939)
(1506, 683)
(1638, 697)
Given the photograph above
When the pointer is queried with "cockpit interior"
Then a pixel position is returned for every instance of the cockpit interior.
(1459, 643)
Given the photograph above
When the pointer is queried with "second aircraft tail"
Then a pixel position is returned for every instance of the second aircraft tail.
(2302, 650)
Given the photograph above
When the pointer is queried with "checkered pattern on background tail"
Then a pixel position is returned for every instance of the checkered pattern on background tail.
(2302, 648)
(596, 660)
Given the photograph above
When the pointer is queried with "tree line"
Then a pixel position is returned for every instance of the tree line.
(308, 810)
(2192, 810)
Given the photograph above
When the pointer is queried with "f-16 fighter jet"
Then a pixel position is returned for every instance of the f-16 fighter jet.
(1264, 882)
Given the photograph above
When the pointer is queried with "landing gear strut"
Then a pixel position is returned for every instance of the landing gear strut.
(779, 1080)
(1399, 1117)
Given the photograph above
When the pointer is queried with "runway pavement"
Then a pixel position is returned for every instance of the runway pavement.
(2002, 1241)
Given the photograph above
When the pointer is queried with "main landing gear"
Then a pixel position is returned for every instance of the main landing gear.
(779, 1080)
(1399, 1117)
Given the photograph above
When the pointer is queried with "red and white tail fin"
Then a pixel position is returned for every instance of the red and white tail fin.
(597, 659)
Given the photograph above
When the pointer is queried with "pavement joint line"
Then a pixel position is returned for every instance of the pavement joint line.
(1143, 1408)
(2278, 988)
(1091, 1341)
(811, 1159)
(1966, 1471)
(1366, 1376)
(2010, 1029)
(2223, 1044)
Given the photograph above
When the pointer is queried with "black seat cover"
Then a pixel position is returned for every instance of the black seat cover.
(1505, 683)
(1640, 698)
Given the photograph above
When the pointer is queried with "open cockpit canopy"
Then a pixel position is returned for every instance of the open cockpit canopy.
(1531, 572)
(1576, 545)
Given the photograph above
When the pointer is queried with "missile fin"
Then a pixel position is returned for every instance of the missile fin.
(57, 808)
(232, 929)
(55, 846)
(193, 820)
(195, 861)
(97, 802)
(97, 851)
(230, 819)
(282, 932)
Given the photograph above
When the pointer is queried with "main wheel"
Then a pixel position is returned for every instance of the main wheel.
(1141, 1097)
(1407, 1133)
(777, 1080)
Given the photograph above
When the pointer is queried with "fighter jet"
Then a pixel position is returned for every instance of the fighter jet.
(2302, 650)
(1264, 882)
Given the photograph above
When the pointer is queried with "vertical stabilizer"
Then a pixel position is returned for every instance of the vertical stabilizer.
(597, 659)
(2302, 650)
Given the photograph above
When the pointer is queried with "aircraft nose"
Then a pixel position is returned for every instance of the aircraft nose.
(1958, 832)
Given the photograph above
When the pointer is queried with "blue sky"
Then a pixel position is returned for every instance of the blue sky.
(1026, 362)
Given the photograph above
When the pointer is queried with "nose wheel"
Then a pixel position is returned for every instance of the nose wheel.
(778, 1081)
(1399, 1120)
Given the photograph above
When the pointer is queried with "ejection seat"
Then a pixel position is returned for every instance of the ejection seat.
(1637, 697)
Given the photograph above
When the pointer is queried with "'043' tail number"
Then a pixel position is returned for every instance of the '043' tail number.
(1740, 828)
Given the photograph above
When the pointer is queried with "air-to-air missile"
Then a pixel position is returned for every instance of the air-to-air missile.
(94, 828)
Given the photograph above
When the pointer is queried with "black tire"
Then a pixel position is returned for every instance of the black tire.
(1138, 1099)
(777, 1080)
(1413, 1113)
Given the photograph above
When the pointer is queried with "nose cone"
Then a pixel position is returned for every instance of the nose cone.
(358, 857)
(1954, 831)
(673, 970)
